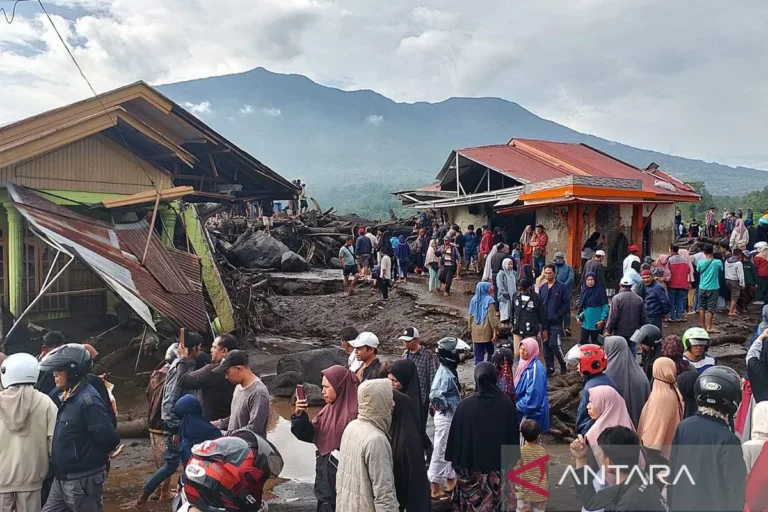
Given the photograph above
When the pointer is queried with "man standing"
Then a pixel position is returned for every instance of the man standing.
(709, 287)
(502, 253)
(564, 274)
(470, 248)
(595, 265)
(363, 250)
(709, 222)
(27, 423)
(539, 243)
(303, 206)
(426, 364)
(385, 275)
(693, 229)
(634, 255)
(486, 244)
(366, 350)
(172, 391)
(678, 221)
(370, 236)
(679, 282)
(627, 313)
(449, 259)
(459, 241)
(556, 301)
(215, 392)
(250, 402)
(656, 299)
(84, 435)
(348, 265)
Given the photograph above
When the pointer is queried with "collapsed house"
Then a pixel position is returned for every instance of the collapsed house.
(99, 210)
(570, 189)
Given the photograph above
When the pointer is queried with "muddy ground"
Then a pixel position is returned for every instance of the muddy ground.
(303, 321)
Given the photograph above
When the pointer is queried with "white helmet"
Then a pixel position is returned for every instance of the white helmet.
(19, 369)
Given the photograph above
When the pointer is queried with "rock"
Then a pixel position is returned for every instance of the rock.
(284, 384)
(292, 262)
(310, 363)
(335, 263)
(257, 250)
(314, 394)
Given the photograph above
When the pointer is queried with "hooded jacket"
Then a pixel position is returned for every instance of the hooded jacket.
(27, 423)
(365, 480)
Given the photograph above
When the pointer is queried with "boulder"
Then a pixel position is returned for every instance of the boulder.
(314, 394)
(283, 385)
(335, 263)
(292, 262)
(310, 363)
(257, 250)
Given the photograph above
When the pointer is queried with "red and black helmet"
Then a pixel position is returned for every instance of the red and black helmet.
(592, 360)
(229, 473)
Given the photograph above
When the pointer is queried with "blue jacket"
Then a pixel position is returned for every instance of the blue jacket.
(84, 435)
(363, 246)
(470, 241)
(532, 401)
(564, 273)
(583, 421)
(656, 300)
(556, 302)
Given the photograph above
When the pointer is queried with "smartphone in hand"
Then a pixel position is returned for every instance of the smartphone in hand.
(300, 394)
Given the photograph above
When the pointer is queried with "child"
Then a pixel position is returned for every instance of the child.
(734, 277)
(529, 500)
(516, 255)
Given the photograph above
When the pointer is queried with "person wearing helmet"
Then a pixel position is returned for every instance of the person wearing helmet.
(84, 437)
(592, 365)
(695, 345)
(648, 338)
(27, 423)
(705, 447)
(627, 313)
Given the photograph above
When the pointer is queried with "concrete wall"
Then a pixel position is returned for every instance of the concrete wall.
(556, 229)
(662, 227)
(460, 215)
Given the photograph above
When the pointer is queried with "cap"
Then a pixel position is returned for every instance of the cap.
(409, 334)
(233, 358)
(600, 253)
(559, 256)
(365, 339)
(626, 281)
(634, 248)
(447, 238)
(485, 226)
(361, 231)
(646, 273)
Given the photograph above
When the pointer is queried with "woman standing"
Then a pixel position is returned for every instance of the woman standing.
(662, 412)
(590, 248)
(685, 384)
(607, 409)
(405, 378)
(740, 235)
(483, 423)
(525, 245)
(683, 253)
(482, 322)
(503, 361)
(631, 381)
(506, 284)
(593, 309)
(403, 255)
(761, 268)
(528, 315)
(325, 430)
(432, 262)
(421, 249)
(444, 398)
(531, 385)
(411, 484)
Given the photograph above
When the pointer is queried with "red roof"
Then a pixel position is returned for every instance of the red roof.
(534, 161)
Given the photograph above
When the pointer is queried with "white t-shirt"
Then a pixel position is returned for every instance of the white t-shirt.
(628, 263)
(372, 238)
(353, 363)
(386, 267)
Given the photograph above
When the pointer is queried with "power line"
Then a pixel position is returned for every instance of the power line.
(82, 74)
(13, 11)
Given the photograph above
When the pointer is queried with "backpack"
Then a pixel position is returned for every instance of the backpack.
(155, 397)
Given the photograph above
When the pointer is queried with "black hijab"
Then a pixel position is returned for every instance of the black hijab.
(483, 423)
(411, 484)
(685, 383)
(405, 372)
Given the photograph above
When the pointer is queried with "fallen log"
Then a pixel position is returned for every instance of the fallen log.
(133, 428)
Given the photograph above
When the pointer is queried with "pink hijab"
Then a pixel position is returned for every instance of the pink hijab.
(612, 411)
(740, 228)
(331, 421)
(532, 347)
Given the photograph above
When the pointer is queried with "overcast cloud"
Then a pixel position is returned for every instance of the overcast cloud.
(687, 77)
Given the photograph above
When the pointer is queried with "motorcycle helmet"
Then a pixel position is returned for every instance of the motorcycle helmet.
(695, 336)
(72, 358)
(648, 335)
(229, 474)
(19, 369)
(718, 387)
(591, 359)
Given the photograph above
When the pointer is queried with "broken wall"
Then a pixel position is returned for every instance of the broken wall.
(460, 215)
(662, 227)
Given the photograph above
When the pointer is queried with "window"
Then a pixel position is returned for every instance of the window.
(38, 258)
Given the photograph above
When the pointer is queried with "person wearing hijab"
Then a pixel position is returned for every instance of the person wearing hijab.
(685, 384)
(403, 255)
(662, 412)
(432, 262)
(740, 235)
(411, 484)
(444, 397)
(483, 423)
(527, 272)
(672, 347)
(593, 309)
(482, 322)
(525, 244)
(503, 361)
(531, 385)
(759, 435)
(607, 409)
(506, 286)
(194, 429)
(631, 381)
(761, 269)
(405, 378)
(325, 430)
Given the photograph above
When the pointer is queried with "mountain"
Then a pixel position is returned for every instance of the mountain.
(353, 148)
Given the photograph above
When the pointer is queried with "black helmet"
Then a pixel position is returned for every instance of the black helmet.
(648, 335)
(718, 387)
(72, 358)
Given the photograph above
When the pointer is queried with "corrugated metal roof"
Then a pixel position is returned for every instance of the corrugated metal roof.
(98, 245)
(514, 162)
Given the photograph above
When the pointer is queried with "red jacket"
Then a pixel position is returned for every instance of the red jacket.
(757, 484)
(486, 243)
(761, 267)
(679, 270)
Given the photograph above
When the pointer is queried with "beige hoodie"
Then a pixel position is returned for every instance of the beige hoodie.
(27, 422)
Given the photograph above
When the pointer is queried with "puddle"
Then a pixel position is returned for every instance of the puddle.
(299, 457)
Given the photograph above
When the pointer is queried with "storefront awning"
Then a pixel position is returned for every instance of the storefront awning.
(535, 205)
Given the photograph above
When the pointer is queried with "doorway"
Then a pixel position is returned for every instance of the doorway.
(513, 224)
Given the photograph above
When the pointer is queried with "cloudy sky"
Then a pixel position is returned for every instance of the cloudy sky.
(684, 77)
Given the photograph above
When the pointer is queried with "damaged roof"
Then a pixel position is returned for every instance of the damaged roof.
(169, 281)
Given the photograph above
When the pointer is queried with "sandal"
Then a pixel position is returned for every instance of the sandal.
(442, 498)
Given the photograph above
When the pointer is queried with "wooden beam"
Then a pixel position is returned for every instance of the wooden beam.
(214, 170)
(648, 218)
(151, 227)
(637, 224)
